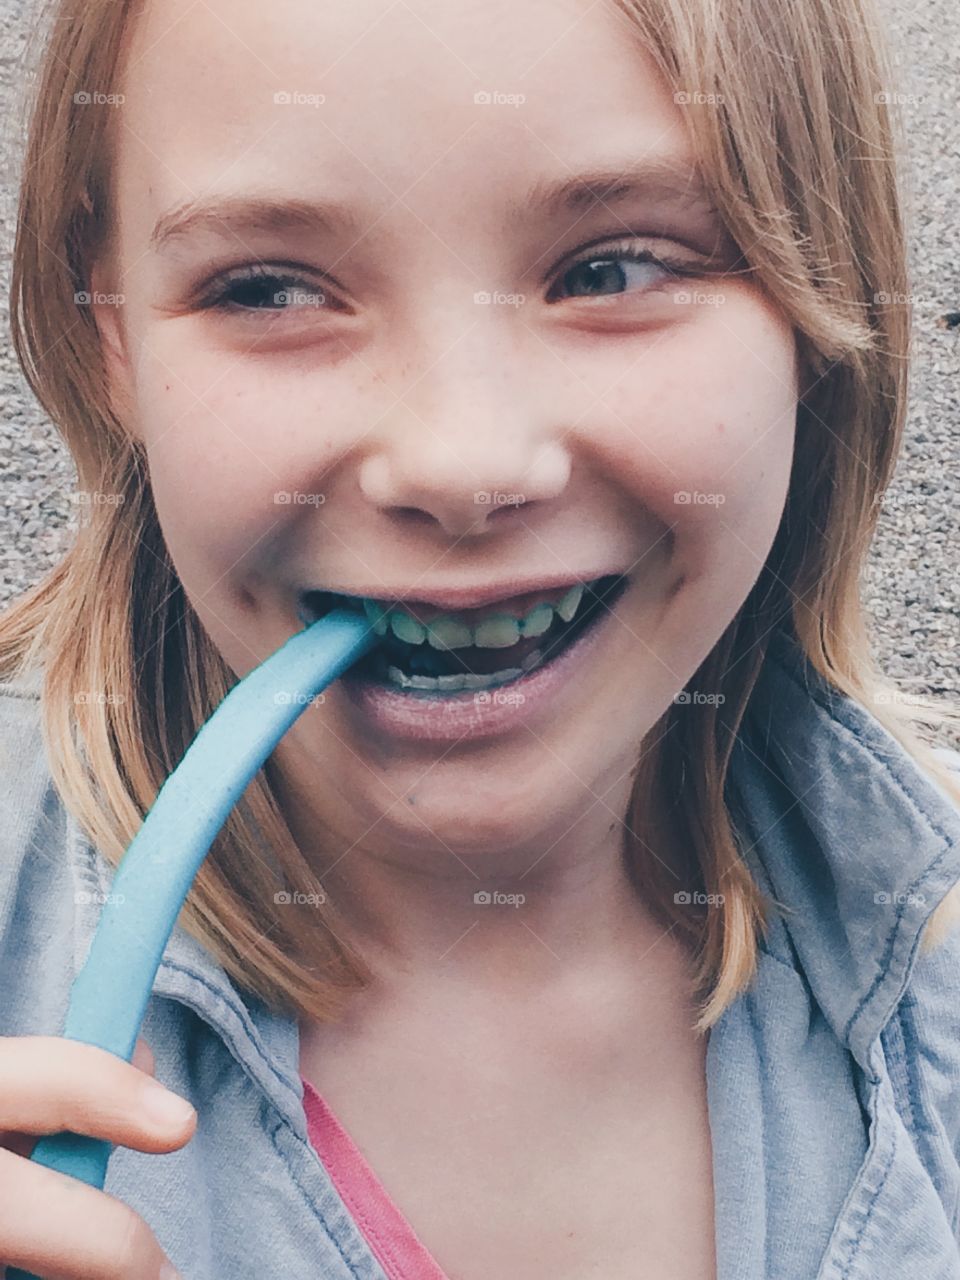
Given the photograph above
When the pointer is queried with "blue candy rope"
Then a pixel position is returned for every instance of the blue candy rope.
(109, 995)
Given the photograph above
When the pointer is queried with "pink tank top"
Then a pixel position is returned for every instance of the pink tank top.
(386, 1230)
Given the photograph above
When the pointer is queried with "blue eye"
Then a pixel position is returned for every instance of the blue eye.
(606, 274)
(259, 288)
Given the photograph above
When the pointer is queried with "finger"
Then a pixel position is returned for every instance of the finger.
(49, 1084)
(58, 1227)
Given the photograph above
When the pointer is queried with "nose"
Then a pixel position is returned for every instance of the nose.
(463, 451)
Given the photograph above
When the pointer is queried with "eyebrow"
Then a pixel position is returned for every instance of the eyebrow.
(663, 179)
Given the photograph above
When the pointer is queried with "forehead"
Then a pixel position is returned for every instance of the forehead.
(369, 100)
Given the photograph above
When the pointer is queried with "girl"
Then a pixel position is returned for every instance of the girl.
(578, 933)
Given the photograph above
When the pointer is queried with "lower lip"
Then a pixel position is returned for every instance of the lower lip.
(476, 714)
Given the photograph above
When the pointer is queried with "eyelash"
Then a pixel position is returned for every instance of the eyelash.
(221, 297)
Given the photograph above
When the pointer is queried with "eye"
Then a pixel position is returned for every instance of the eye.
(264, 289)
(611, 272)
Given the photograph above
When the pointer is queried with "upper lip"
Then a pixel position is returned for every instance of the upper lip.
(470, 597)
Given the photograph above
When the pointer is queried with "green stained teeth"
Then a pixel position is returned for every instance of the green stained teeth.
(407, 629)
(537, 621)
(570, 603)
(498, 632)
(377, 617)
(449, 633)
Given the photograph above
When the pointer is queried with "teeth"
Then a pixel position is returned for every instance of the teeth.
(499, 632)
(407, 629)
(464, 680)
(376, 616)
(538, 620)
(449, 633)
(452, 632)
(452, 684)
(570, 603)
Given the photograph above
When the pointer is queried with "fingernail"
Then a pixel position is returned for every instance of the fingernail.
(169, 1272)
(165, 1107)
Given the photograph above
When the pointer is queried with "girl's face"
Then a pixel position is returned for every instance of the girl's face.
(405, 176)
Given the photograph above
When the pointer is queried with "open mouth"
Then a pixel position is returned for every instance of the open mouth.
(458, 653)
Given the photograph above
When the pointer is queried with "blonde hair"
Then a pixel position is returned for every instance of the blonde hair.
(798, 146)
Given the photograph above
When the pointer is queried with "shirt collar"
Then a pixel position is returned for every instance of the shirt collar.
(838, 823)
(853, 838)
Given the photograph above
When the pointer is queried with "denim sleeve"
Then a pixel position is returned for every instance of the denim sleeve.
(37, 893)
(923, 1048)
(922, 1042)
(24, 781)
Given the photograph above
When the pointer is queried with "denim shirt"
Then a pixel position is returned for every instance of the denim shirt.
(833, 1082)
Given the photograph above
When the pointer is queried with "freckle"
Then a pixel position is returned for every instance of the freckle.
(167, 387)
(720, 428)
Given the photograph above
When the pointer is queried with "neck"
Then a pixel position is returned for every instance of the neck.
(505, 923)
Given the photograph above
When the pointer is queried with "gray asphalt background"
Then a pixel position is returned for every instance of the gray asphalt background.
(911, 586)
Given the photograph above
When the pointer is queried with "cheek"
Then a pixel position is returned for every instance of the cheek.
(264, 424)
(212, 455)
(702, 430)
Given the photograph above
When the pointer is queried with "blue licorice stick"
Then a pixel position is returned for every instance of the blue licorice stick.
(109, 995)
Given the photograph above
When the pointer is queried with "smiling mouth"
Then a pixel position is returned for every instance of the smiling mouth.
(449, 654)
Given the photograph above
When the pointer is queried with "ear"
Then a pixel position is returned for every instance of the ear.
(108, 314)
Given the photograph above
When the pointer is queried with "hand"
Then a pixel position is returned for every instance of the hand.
(51, 1224)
